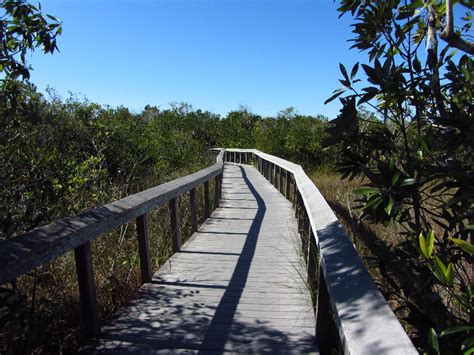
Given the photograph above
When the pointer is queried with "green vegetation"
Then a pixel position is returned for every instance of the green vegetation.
(415, 154)
(410, 215)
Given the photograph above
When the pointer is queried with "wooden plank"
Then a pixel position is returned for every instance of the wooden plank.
(144, 249)
(87, 291)
(174, 221)
(238, 292)
(362, 314)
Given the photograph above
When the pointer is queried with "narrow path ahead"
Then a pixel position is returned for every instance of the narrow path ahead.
(237, 285)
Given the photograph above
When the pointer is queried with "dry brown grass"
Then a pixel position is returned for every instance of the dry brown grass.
(43, 314)
(376, 244)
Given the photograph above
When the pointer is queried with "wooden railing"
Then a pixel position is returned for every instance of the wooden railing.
(351, 313)
(25, 252)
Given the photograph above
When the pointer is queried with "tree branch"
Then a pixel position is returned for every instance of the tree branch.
(451, 37)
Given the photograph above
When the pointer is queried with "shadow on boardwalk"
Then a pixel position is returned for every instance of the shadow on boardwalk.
(215, 296)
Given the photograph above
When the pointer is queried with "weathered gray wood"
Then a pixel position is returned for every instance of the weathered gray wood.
(216, 191)
(237, 293)
(23, 253)
(364, 320)
(325, 332)
(207, 208)
(193, 210)
(288, 184)
(144, 249)
(280, 185)
(87, 291)
(174, 221)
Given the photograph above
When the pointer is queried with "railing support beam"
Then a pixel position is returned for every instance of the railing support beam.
(144, 249)
(87, 290)
(207, 210)
(174, 220)
(193, 209)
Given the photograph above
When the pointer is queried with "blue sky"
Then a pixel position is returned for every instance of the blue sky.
(214, 54)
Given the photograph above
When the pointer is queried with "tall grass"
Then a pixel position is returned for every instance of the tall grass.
(42, 313)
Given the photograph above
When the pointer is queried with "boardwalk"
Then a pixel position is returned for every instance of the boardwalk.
(237, 285)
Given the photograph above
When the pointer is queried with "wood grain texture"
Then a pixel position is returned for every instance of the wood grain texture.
(364, 320)
(237, 285)
(25, 252)
(144, 248)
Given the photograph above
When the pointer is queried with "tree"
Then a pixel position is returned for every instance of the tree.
(419, 155)
(24, 28)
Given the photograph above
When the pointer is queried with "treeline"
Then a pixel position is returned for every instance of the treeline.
(61, 156)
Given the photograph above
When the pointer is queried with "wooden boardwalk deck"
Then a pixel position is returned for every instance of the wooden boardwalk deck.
(237, 285)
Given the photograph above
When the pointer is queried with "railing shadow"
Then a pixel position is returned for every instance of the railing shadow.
(234, 289)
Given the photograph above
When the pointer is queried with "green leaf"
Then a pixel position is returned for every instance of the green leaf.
(440, 265)
(423, 247)
(450, 274)
(433, 340)
(371, 92)
(458, 329)
(354, 70)
(464, 245)
(408, 182)
(336, 94)
(430, 243)
(344, 72)
(388, 208)
(366, 190)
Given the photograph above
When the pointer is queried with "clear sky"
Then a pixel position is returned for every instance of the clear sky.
(214, 54)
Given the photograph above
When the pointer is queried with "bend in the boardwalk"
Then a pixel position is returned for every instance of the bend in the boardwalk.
(237, 285)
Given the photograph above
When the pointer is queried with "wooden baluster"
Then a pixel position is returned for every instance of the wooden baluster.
(207, 212)
(326, 332)
(297, 205)
(287, 191)
(192, 207)
(295, 193)
(87, 291)
(216, 190)
(275, 178)
(312, 263)
(221, 177)
(281, 181)
(144, 249)
(174, 220)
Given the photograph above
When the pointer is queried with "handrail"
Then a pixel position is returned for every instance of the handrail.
(364, 321)
(27, 251)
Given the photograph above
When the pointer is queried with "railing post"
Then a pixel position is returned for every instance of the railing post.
(192, 207)
(144, 248)
(287, 191)
(207, 212)
(174, 220)
(326, 332)
(87, 291)
(297, 205)
(221, 176)
(235, 157)
(280, 185)
(216, 190)
(312, 263)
